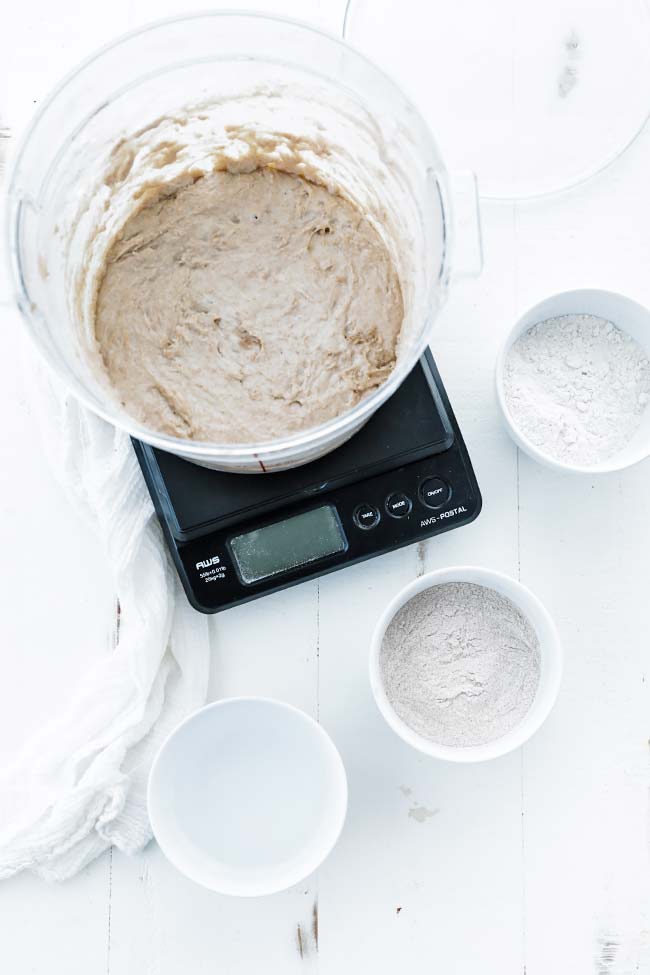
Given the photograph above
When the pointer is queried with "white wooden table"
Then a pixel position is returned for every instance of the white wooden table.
(535, 863)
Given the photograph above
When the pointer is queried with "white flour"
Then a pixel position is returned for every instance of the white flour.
(460, 664)
(577, 387)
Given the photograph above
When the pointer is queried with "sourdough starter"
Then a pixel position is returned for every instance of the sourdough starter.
(241, 307)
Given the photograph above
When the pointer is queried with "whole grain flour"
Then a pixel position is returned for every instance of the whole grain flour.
(460, 664)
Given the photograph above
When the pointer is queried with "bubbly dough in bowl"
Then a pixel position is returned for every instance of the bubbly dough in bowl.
(242, 306)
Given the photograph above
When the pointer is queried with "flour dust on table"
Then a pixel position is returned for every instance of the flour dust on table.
(577, 387)
(460, 664)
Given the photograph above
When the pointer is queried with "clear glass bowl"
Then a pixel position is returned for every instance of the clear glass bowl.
(251, 67)
(533, 97)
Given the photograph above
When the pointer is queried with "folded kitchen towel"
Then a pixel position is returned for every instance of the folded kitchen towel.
(80, 784)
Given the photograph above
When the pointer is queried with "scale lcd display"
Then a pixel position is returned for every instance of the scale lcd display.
(288, 544)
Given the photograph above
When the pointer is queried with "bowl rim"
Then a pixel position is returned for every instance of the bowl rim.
(331, 828)
(522, 325)
(550, 650)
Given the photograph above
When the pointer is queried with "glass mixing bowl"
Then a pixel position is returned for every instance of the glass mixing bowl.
(190, 78)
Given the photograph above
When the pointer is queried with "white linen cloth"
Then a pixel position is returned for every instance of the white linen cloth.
(80, 784)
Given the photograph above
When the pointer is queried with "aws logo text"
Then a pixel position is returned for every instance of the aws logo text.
(206, 563)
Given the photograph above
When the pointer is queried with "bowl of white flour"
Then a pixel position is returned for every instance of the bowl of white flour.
(465, 664)
(573, 382)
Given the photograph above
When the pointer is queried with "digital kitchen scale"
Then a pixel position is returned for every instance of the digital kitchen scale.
(406, 475)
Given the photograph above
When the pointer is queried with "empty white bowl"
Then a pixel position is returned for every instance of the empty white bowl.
(247, 796)
(550, 664)
(630, 317)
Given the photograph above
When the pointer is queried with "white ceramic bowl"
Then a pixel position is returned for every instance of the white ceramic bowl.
(550, 660)
(247, 796)
(630, 317)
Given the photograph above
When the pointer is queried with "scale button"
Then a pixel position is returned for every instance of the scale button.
(434, 492)
(366, 516)
(398, 505)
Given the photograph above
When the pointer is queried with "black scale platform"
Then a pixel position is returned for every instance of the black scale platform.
(405, 476)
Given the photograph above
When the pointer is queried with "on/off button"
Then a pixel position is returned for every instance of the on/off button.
(434, 492)
(366, 516)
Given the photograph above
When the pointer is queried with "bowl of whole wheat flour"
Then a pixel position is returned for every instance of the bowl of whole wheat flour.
(465, 664)
(573, 382)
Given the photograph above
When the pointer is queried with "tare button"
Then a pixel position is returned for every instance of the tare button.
(366, 516)
(434, 492)
(398, 505)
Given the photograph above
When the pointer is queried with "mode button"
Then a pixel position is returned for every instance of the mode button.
(398, 505)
